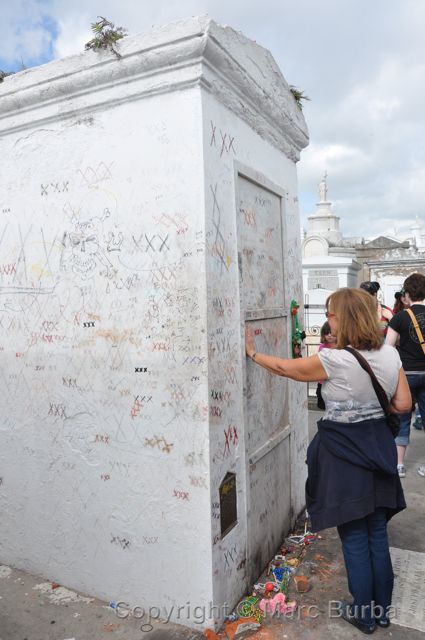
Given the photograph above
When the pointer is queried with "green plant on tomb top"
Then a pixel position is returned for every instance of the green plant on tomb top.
(4, 74)
(298, 95)
(106, 35)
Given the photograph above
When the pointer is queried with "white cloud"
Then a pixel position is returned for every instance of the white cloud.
(73, 33)
(337, 159)
(362, 63)
(23, 32)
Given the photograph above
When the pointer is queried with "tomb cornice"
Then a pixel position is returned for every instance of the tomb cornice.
(191, 52)
(242, 83)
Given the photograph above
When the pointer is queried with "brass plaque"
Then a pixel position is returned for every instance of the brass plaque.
(228, 503)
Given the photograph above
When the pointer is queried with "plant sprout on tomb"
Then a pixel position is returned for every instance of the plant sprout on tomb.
(106, 35)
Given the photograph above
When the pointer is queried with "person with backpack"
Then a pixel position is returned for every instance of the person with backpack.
(407, 330)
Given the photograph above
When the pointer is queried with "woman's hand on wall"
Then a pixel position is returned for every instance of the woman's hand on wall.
(249, 341)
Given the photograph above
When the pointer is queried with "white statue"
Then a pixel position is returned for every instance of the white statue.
(323, 189)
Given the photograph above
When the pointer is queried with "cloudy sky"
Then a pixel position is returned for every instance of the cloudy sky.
(361, 62)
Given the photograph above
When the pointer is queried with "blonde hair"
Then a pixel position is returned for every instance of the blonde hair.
(358, 323)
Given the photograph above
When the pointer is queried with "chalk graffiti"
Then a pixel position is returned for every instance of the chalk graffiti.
(191, 459)
(114, 243)
(231, 437)
(136, 408)
(82, 247)
(155, 243)
(226, 142)
(199, 481)
(159, 443)
(101, 437)
(122, 468)
(181, 495)
(92, 176)
(218, 248)
(54, 187)
(7, 269)
(120, 542)
(230, 557)
(56, 410)
(70, 383)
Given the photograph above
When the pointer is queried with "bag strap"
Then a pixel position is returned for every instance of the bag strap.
(417, 329)
(380, 392)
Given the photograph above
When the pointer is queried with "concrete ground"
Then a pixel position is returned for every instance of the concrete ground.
(31, 610)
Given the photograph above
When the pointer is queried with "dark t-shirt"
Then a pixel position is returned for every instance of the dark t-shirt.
(411, 354)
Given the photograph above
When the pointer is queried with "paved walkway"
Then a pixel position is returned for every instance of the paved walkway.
(31, 610)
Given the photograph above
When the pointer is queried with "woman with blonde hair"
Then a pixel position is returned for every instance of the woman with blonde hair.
(352, 461)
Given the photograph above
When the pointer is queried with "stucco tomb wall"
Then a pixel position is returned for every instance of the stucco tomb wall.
(103, 303)
(251, 189)
(126, 389)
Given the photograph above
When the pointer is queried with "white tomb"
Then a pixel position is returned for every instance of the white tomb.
(148, 209)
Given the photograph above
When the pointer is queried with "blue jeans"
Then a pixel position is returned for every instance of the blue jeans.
(417, 389)
(368, 563)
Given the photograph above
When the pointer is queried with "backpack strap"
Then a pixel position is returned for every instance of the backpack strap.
(417, 329)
